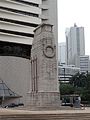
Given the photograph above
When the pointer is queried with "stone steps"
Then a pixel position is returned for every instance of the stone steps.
(61, 116)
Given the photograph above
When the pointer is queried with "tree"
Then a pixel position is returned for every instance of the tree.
(79, 80)
(66, 89)
(79, 84)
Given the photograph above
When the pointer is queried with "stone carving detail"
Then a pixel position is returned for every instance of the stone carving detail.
(48, 48)
(34, 75)
(49, 51)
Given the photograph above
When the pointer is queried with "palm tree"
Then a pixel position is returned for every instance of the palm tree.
(79, 80)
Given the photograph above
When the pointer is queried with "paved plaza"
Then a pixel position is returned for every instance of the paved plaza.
(13, 114)
(14, 111)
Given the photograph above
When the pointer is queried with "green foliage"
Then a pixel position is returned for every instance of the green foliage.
(79, 80)
(86, 95)
(79, 84)
(88, 82)
(66, 89)
(78, 90)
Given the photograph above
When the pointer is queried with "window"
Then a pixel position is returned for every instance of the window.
(19, 11)
(19, 22)
(14, 49)
(26, 2)
(16, 33)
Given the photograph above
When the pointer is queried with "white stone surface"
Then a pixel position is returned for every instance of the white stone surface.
(44, 84)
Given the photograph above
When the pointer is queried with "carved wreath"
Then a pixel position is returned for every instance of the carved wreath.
(49, 51)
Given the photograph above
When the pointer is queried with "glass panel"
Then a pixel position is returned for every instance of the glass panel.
(1, 86)
(1, 92)
(6, 93)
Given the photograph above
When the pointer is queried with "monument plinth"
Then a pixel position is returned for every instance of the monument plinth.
(44, 90)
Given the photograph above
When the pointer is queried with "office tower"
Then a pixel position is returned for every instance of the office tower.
(18, 19)
(84, 64)
(62, 53)
(75, 44)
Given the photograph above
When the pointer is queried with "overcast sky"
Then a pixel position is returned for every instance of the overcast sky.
(74, 11)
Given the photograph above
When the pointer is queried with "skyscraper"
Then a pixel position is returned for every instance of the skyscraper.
(75, 45)
(62, 53)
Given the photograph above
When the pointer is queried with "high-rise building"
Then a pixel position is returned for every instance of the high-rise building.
(18, 19)
(75, 44)
(84, 64)
(62, 53)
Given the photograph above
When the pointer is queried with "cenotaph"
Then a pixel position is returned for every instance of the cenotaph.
(44, 83)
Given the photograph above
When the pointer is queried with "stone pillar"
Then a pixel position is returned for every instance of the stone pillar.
(44, 83)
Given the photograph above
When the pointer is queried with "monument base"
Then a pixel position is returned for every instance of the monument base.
(44, 100)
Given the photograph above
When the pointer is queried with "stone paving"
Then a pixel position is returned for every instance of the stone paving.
(14, 111)
(12, 114)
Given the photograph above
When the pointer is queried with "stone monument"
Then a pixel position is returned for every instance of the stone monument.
(44, 83)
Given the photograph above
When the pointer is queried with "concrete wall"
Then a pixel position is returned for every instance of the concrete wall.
(15, 72)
